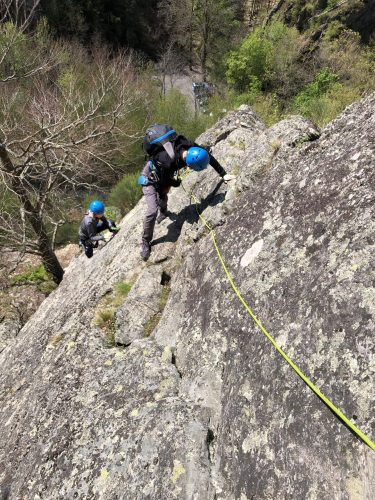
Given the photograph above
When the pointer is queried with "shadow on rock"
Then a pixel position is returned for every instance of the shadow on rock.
(189, 214)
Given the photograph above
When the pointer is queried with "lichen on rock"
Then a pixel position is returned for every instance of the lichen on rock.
(204, 407)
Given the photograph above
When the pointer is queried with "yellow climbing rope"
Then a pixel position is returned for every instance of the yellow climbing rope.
(355, 429)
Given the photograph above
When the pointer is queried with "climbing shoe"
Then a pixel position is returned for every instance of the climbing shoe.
(145, 250)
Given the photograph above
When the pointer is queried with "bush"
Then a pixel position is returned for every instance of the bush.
(267, 106)
(323, 108)
(266, 60)
(126, 193)
(351, 61)
(251, 63)
(322, 83)
(176, 110)
(35, 274)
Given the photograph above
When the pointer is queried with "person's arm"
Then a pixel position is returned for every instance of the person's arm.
(220, 170)
(213, 161)
(216, 165)
(92, 232)
(103, 226)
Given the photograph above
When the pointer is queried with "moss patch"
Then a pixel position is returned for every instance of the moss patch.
(35, 275)
(105, 317)
(56, 339)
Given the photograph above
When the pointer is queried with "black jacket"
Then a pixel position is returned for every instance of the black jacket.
(166, 167)
(90, 228)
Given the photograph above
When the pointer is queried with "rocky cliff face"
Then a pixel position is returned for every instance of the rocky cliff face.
(316, 16)
(169, 390)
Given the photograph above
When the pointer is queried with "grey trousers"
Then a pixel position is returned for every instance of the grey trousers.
(155, 199)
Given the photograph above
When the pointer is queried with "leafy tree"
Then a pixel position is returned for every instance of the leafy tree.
(251, 64)
(267, 59)
(317, 99)
(322, 83)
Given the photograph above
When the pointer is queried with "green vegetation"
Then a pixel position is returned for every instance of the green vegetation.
(265, 61)
(273, 72)
(126, 193)
(279, 69)
(151, 324)
(35, 275)
(122, 289)
(325, 81)
(332, 3)
(105, 317)
(176, 109)
(67, 233)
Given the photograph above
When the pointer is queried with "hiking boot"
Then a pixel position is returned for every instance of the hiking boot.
(162, 215)
(145, 250)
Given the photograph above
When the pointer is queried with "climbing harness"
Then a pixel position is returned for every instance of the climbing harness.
(337, 412)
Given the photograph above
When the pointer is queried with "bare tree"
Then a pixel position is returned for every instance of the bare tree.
(18, 12)
(214, 27)
(16, 17)
(57, 130)
(170, 64)
(180, 28)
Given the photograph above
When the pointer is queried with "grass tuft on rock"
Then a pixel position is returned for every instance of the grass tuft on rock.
(105, 317)
(35, 275)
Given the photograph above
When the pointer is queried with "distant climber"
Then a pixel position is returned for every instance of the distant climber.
(94, 222)
(167, 153)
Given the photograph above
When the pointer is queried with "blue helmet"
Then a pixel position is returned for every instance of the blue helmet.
(197, 158)
(97, 207)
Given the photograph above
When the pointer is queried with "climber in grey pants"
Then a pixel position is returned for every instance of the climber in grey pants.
(169, 154)
(156, 197)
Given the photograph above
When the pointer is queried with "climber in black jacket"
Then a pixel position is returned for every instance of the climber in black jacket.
(94, 223)
(168, 152)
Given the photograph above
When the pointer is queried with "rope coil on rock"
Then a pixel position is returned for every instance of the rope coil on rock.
(337, 412)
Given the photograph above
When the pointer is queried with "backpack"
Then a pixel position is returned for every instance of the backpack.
(159, 137)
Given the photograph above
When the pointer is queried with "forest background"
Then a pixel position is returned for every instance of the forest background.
(82, 79)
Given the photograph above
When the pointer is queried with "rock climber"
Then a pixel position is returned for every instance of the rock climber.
(167, 153)
(94, 222)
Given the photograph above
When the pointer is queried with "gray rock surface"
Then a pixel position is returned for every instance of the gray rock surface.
(140, 306)
(9, 329)
(205, 408)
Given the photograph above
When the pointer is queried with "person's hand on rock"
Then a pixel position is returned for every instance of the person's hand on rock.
(229, 177)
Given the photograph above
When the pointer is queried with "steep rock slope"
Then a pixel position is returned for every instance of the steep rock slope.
(204, 407)
(319, 14)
